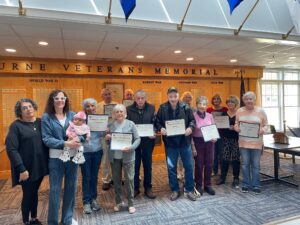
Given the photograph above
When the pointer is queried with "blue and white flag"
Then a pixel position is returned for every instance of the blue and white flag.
(294, 7)
(233, 4)
(127, 6)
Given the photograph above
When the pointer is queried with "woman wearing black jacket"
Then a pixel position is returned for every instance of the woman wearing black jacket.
(28, 156)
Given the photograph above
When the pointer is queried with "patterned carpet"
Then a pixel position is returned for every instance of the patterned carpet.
(228, 206)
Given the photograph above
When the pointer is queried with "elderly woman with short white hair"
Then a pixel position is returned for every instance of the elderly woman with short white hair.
(124, 157)
(251, 147)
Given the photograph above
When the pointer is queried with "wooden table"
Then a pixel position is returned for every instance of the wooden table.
(291, 148)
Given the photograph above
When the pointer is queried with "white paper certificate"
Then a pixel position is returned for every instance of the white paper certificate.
(127, 102)
(120, 140)
(175, 127)
(145, 130)
(210, 132)
(222, 122)
(249, 130)
(108, 109)
(97, 122)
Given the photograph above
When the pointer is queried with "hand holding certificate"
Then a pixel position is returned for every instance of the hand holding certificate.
(250, 130)
(145, 130)
(222, 122)
(210, 132)
(97, 122)
(120, 140)
(175, 127)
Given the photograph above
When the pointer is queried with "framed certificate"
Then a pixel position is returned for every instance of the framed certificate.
(175, 127)
(145, 130)
(249, 130)
(127, 102)
(120, 140)
(108, 109)
(222, 122)
(210, 132)
(97, 122)
(216, 113)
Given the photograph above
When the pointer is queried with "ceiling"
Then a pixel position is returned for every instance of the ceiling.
(207, 34)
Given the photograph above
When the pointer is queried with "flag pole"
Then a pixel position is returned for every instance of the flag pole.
(108, 18)
(285, 36)
(236, 32)
(22, 11)
(179, 26)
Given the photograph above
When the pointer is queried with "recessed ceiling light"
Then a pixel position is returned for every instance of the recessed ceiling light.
(190, 59)
(140, 57)
(43, 43)
(277, 42)
(272, 62)
(233, 60)
(292, 57)
(11, 50)
(81, 53)
(177, 51)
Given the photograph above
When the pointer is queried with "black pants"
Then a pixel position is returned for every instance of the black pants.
(30, 199)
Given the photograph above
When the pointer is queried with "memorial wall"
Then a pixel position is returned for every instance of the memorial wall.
(36, 78)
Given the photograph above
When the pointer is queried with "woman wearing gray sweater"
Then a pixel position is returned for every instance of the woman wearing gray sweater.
(123, 157)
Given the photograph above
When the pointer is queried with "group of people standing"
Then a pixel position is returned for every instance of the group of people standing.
(35, 147)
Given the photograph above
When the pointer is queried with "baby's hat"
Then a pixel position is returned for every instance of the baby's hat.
(80, 115)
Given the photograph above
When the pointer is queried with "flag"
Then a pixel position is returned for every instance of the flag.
(233, 4)
(294, 8)
(127, 6)
(242, 92)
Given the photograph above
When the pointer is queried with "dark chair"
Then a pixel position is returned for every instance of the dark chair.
(296, 132)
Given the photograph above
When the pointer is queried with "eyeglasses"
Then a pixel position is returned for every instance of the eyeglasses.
(23, 108)
(60, 99)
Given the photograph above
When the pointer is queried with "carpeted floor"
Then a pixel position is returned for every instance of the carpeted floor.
(2, 183)
(228, 206)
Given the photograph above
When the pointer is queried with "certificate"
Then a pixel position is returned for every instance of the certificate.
(97, 122)
(175, 127)
(127, 102)
(108, 109)
(210, 132)
(145, 130)
(249, 130)
(222, 122)
(120, 140)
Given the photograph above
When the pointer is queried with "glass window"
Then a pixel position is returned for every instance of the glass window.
(273, 117)
(270, 76)
(291, 116)
(291, 76)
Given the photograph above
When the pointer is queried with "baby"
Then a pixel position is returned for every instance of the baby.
(79, 131)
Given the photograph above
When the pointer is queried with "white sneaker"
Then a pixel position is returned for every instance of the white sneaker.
(74, 222)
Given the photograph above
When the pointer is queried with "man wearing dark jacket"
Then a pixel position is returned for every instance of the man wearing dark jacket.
(178, 144)
(141, 112)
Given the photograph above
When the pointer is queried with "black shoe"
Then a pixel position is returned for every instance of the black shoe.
(235, 183)
(220, 181)
(199, 189)
(106, 186)
(245, 189)
(190, 195)
(136, 192)
(210, 190)
(174, 195)
(149, 194)
(35, 222)
(257, 190)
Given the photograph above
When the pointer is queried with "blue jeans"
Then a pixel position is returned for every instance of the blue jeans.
(57, 171)
(172, 154)
(217, 155)
(250, 167)
(89, 171)
(145, 155)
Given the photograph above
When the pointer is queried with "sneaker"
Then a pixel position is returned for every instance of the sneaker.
(106, 186)
(174, 195)
(257, 190)
(131, 210)
(136, 193)
(74, 222)
(35, 222)
(149, 194)
(235, 183)
(220, 181)
(210, 190)
(199, 189)
(95, 206)
(87, 209)
(245, 189)
(118, 207)
(190, 195)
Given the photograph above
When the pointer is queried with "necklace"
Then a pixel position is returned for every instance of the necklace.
(33, 125)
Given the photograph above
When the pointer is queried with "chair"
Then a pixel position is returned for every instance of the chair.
(296, 132)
